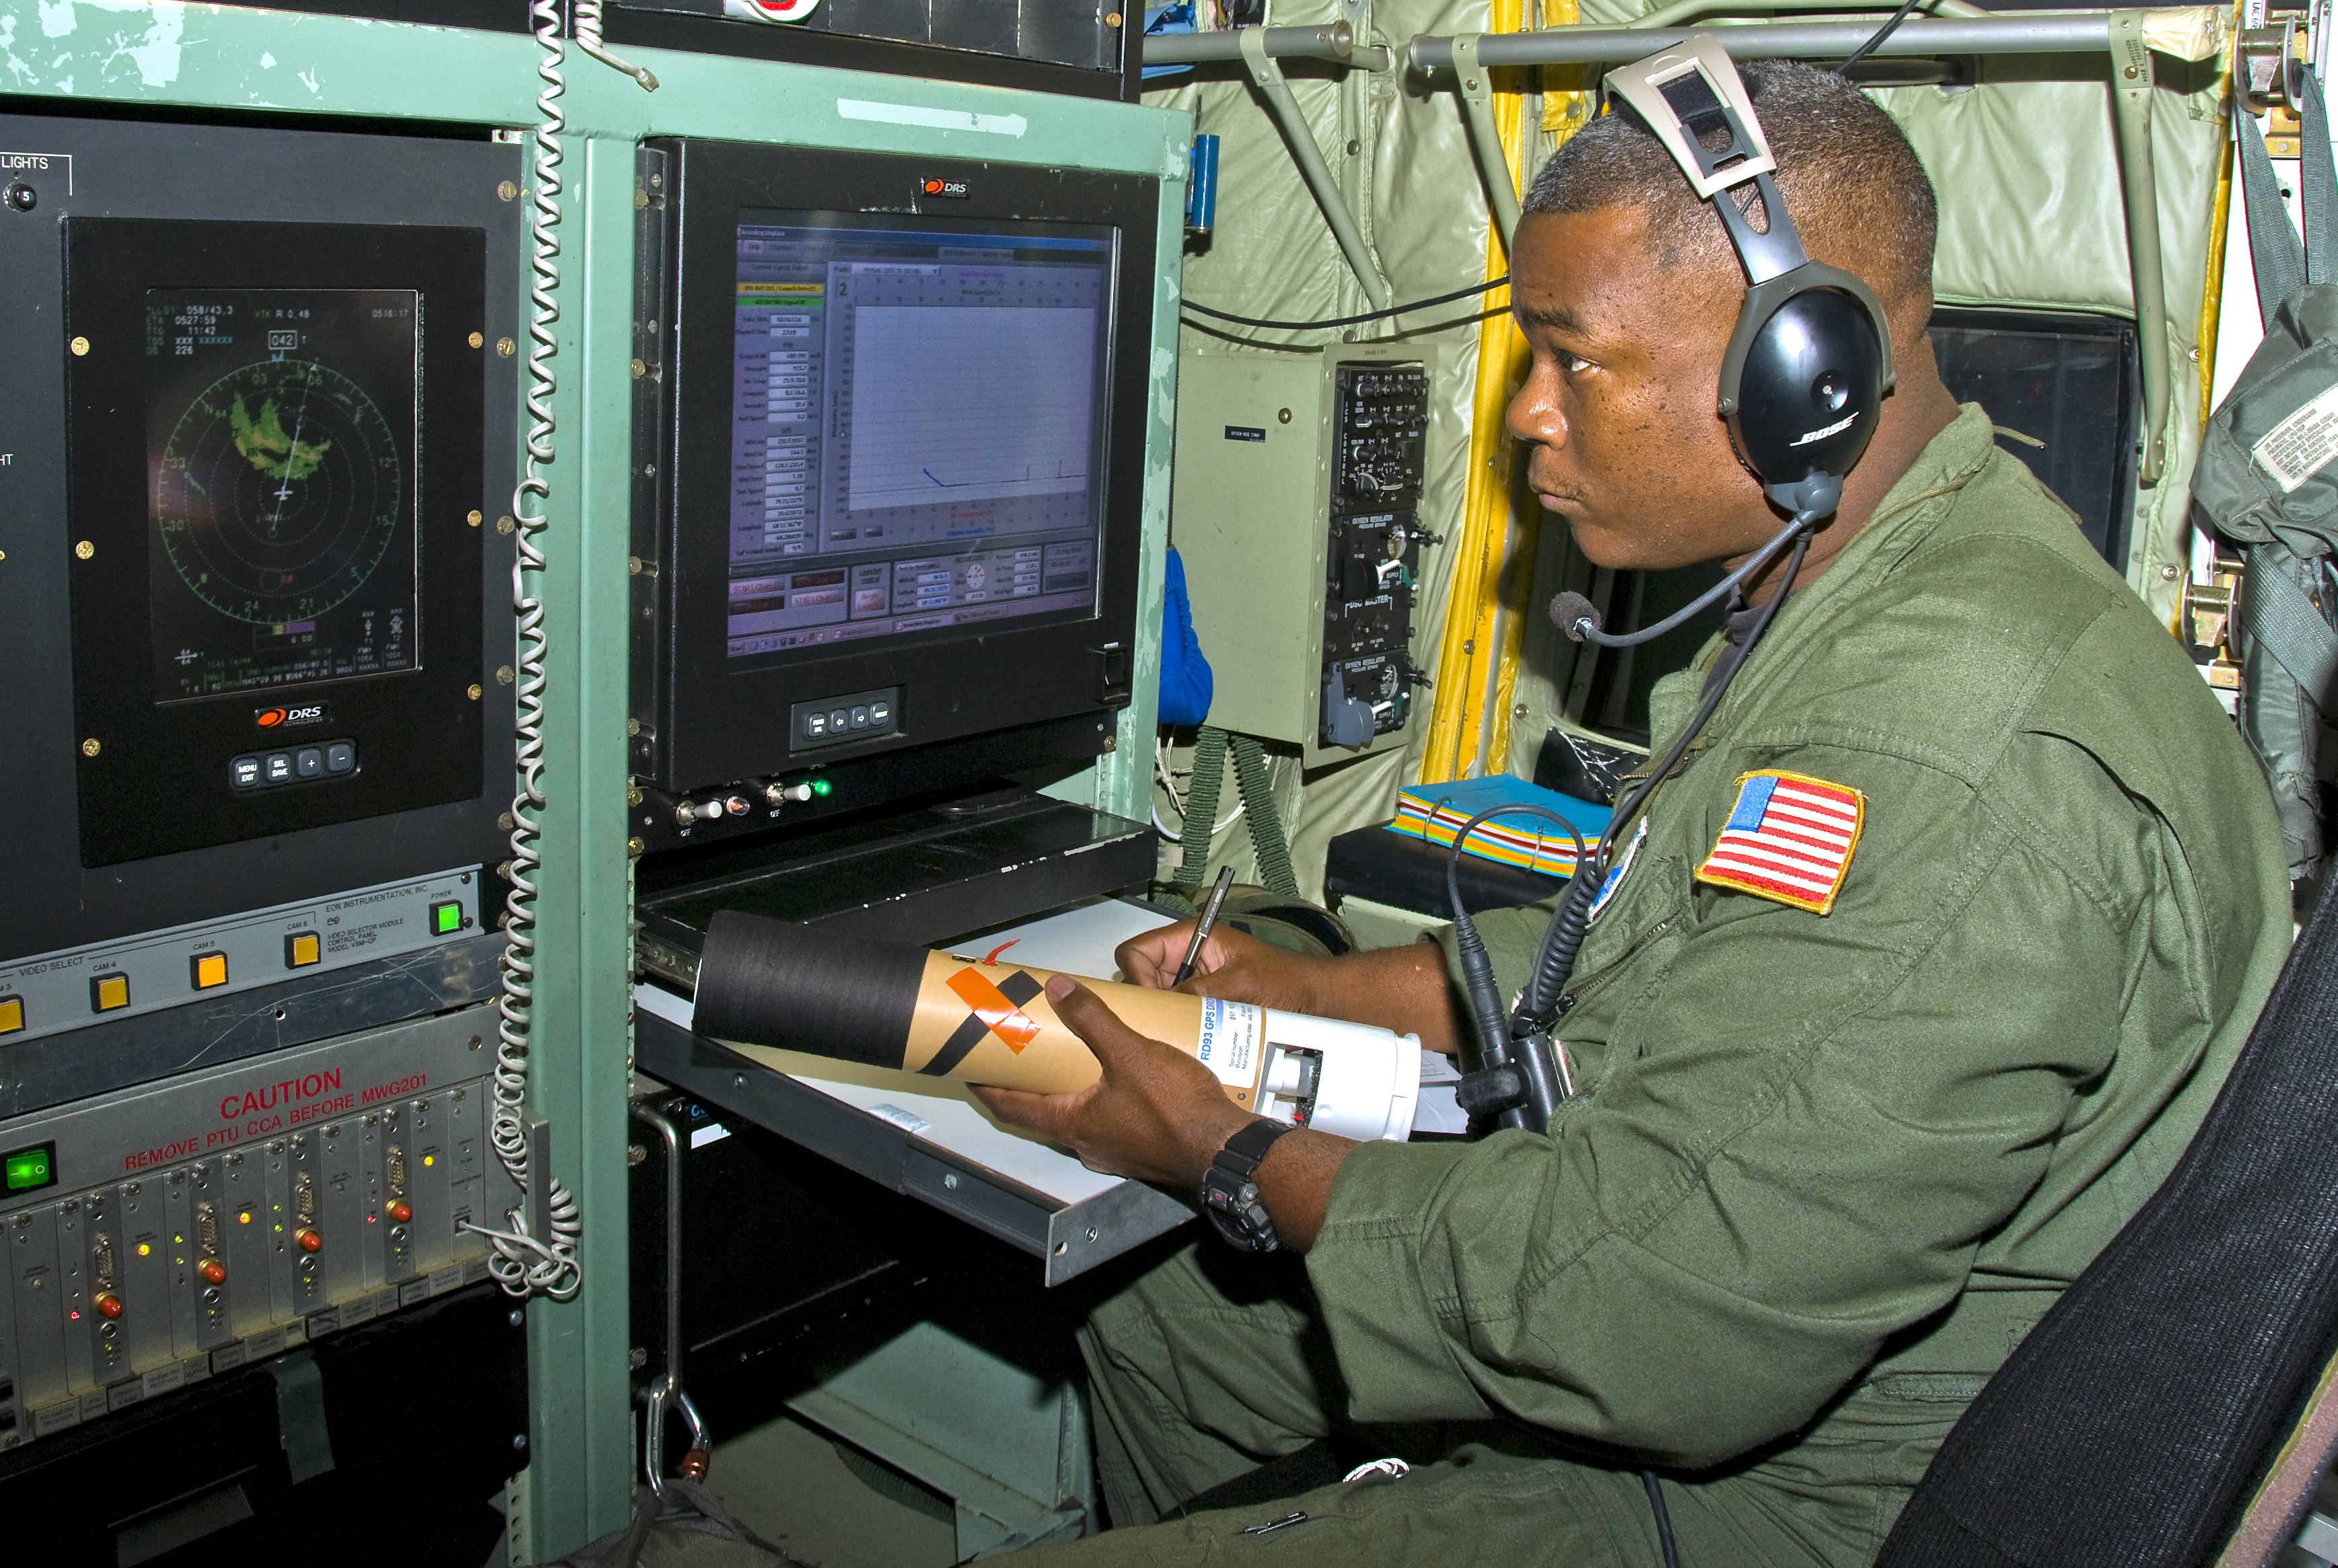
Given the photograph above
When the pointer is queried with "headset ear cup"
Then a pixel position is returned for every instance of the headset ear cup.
(1808, 383)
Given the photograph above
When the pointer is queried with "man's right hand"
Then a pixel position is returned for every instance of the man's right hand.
(1399, 988)
(1232, 965)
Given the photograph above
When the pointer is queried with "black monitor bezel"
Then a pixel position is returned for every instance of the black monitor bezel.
(423, 723)
(710, 722)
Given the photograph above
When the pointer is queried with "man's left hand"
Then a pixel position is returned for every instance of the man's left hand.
(1156, 1114)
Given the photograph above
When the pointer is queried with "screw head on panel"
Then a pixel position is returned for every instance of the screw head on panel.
(478, 340)
(505, 346)
(85, 550)
(79, 346)
(90, 747)
(473, 692)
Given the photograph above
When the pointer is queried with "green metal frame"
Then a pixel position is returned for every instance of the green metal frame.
(179, 57)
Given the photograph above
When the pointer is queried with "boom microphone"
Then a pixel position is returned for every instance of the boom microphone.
(1580, 618)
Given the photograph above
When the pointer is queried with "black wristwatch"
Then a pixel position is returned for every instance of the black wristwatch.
(1230, 1190)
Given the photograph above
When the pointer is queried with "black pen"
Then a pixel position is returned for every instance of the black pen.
(1202, 926)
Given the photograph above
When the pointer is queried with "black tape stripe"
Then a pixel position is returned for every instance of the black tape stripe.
(1019, 987)
(963, 1039)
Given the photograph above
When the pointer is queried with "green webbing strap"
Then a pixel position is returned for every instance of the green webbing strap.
(1201, 804)
(2283, 260)
(2276, 256)
(2277, 613)
(2317, 179)
(1265, 822)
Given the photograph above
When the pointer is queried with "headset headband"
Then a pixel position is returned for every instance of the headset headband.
(1802, 379)
(1688, 93)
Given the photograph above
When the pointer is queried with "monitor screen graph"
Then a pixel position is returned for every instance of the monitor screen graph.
(970, 404)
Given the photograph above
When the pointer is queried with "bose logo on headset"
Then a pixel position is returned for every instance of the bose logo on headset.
(1810, 359)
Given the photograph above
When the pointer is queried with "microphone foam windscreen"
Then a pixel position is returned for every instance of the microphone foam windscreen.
(1568, 609)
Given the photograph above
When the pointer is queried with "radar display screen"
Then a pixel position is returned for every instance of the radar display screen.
(281, 486)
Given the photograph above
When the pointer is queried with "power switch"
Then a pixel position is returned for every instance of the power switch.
(446, 919)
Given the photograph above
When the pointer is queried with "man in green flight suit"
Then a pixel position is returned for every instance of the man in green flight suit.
(1839, 1137)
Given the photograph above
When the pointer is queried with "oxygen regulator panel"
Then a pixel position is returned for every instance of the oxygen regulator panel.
(1295, 510)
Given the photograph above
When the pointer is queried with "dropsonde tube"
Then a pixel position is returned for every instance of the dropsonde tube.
(773, 982)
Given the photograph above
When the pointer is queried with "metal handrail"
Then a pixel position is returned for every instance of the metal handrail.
(1336, 43)
(2004, 33)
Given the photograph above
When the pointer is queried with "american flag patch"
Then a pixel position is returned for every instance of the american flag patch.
(1790, 838)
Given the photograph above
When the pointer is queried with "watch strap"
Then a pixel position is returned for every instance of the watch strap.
(1230, 1194)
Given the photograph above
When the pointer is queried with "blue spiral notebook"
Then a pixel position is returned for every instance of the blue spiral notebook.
(1438, 812)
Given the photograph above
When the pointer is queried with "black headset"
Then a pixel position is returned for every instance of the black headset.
(1807, 366)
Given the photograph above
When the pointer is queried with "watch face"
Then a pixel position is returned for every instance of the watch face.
(1235, 1208)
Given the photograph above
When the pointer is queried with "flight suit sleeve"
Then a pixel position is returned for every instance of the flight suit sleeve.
(1788, 1145)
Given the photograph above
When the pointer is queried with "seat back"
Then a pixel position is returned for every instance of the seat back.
(2136, 1422)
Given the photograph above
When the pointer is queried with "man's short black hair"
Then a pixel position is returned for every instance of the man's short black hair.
(1859, 195)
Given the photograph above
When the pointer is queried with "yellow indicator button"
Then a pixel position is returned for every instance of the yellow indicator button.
(108, 993)
(208, 970)
(301, 950)
(11, 1015)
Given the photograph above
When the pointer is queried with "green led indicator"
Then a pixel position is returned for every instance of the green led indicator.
(30, 1168)
(446, 919)
(821, 786)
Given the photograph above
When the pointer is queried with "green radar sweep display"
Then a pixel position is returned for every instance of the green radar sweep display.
(281, 479)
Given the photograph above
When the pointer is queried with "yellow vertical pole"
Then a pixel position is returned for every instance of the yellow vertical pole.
(1478, 639)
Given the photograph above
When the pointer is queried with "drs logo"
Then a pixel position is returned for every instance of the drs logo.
(291, 718)
(936, 186)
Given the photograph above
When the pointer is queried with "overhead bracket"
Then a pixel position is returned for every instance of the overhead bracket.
(2131, 88)
(1493, 163)
(1268, 79)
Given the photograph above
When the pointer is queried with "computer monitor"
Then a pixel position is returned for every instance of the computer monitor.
(892, 433)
